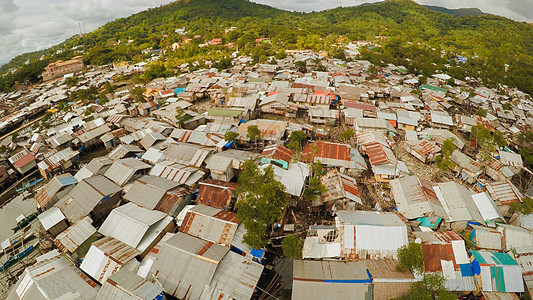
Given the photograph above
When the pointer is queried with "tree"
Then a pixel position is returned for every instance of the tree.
(525, 207)
(301, 66)
(231, 136)
(292, 247)
(484, 141)
(431, 287)
(411, 257)
(109, 88)
(297, 140)
(253, 133)
(498, 138)
(137, 94)
(347, 134)
(71, 81)
(262, 202)
(314, 189)
(443, 161)
(181, 116)
(481, 112)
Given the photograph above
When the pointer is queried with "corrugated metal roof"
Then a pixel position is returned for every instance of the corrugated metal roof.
(82, 199)
(504, 192)
(487, 207)
(130, 223)
(70, 239)
(127, 285)
(50, 189)
(51, 217)
(212, 224)
(177, 172)
(236, 277)
(122, 150)
(525, 258)
(327, 150)
(339, 187)
(413, 197)
(369, 137)
(186, 264)
(94, 133)
(277, 152)
(216, 193)
(500, 296)
(378, 154)
(511, 159)
(329, 271)
(149, 190)
(121, 171)
(106, 257)
(424, 147)
(457, 202)
(57, 159)
(53, 276)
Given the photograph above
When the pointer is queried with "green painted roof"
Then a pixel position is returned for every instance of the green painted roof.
(433, 88)
(224, 112)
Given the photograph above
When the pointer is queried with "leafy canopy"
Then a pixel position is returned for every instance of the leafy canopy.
(411, 257)
(262, 200)
(292, 247)
(431, 287)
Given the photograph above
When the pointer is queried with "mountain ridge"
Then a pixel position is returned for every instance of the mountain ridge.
(493, 41)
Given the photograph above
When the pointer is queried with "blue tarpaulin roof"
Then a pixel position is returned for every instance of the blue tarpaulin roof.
(179, 90)
(466, 270)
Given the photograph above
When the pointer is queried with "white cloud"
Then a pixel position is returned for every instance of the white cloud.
(30, 25)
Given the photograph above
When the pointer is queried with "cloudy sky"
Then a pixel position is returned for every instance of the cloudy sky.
(30, 25)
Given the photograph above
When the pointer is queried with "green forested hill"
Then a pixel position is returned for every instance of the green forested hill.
(459, 12)
(428, 38)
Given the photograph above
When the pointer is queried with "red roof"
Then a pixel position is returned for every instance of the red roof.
(327, 150)
(359, 105)
(216, 193)
(376, 154)
(26, 159)
(278, 152)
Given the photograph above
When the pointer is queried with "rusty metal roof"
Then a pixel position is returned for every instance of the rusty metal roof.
(424, 147)
(378, 154)
(216, 193)
(434, 253)
(504, 192)
(327, 150)
(277, 152)
(209, 223)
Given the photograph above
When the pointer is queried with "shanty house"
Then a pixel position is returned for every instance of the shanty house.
(97, 166)
(330, 279)
(125, 284)
(125, 170)
(186, 264)
(497, 272)
(211, 224)
(53, 221)
(54, 190)
(278, 155)
(413, 197)
(423, 150)
(335, 155)
(53, 276)
(341, 190)
(106, 257)
(457, 203)
(137, 226)
(96, 195)
(359, 229)
(73, 237)
(445, 253)
(216, 193)
(23, 161)
(156, 193)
